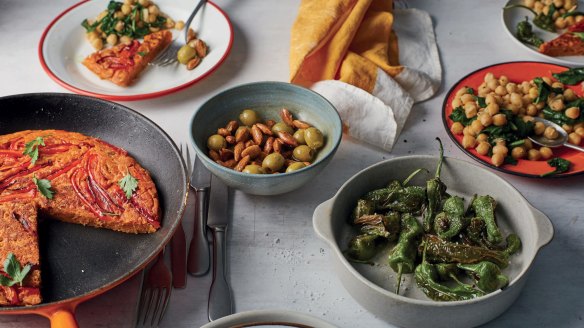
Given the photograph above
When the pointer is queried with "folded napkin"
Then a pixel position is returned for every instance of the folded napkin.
(348, 51)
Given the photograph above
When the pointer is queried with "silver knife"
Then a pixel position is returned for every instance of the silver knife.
(220, 302)
(198, 258)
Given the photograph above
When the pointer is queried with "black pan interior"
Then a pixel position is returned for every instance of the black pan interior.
(77, 260)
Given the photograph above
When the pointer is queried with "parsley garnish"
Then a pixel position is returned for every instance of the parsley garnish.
(44, 186)
(128, 185)
(13, 269)
(561, 165)
(31, 149)
(142, 53)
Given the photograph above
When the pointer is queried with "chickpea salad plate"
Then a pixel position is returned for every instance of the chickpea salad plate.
(96, 48)
(490, 115)
(548, 29)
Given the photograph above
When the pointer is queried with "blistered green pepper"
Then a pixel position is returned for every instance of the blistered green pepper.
(447, 271)
(387, 198)
(364, 207)
(487, 275)
(451, 221)
(392, 223)
(435, 192)
(484, 208)
(403, 256)
(513, 244)
(473, 234)
(427, 276)
(386, 226)
(410, 199)
(363, 248)
(447, 252)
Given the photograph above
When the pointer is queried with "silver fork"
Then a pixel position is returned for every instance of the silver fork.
(168, 56)
(156, 290)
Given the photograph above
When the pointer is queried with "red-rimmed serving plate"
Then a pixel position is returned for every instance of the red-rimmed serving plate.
(516, 72)
(63, 47)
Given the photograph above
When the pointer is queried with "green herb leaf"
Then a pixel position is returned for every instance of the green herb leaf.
(572, 13)
(31, 149)
(458, 115)
(13, 269)
(128, 185)
(44, 186)
(561, 165)
(142, 53)
(525, 34)
(544, 90)
(570, 77)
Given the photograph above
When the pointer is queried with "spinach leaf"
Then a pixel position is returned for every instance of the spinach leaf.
(561, 165)
(571, 76)
(458, 115)
(543, 21)
(544, 90)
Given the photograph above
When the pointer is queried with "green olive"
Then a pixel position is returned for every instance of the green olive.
(254, 169)
(303, 153)
(282, 127)
(249, 117)
(314, 138)
(216, 142)
(185, 54)
(274, 162)
(299, 136)
(295, 166)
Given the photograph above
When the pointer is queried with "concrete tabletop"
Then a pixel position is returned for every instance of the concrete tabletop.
(275, 259)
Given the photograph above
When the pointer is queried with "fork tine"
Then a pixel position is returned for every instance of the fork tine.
(164, 304)
(156, 306)
(190, 163)
(150, 293)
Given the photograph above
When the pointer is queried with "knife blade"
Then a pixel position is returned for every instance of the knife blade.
(220, 302)
(198, 258)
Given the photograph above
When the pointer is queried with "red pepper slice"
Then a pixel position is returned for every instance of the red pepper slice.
(67, 168)
(55, 149)
(27, 194)
(152, 219)
(10, 153)
(103, 199)
(86, 194)
(7, 182)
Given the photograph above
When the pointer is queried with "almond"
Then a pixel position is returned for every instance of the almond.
(264, 128)
(223, 132)
(232, 126)
(239, 147)
(270, 123)
(193, 63)
(277, 145)
(286, 116)
(230, 139)
(300, 124)
(287, 138)
(251, 151)
(269, 145)
(225, 154)
(214, 155)
(256, 134)
(200, 48)
(242, 134)
(242, 164)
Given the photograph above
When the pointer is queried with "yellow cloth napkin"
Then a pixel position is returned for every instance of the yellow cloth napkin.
(348, 51)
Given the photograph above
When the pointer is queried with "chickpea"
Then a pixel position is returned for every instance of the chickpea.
(119, 15)
(470, 109)
(91, 35)
(129, 2)
(547, 80)
(539, 128)
(499, 119)
(97, 43)
(511, 87)
(503, 80)
(119, 26)
(529, 3)
(579, 131)
(460, 92)
(568, 4)
(527, 118)
(112, 39)
(526, 100)
(490, 99)
(493, 109)
(573, 112)
(169, 23)
(531, 110)
(578, 125)
(482, 137)
(570, 20)
(492, 84)
(144, 3)
(101, 15)
(468, 131)
(483, 148)
(533, 92)
(527, 144)
(550, 133)
(125, 39)
(557, 104)
(574, 138)
(126, 9)
(515, 99)
(501, 91)
(579, 18)
(558, 85)
(456, 103)
(518, 152)
(467, 98)
(153, 9)
(486, 119)
(570, 95)
(497, 159)
(558, 3)
(501, 149)
(538, 7)
(179, 25)
(456, 128)
(468, 141)
(500, 142)
(546, 153)
(489, 76)
(533, 155)
(476, 126)
(540, 105)
(568, 128)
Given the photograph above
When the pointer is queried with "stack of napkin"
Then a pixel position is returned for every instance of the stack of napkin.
(371, 61)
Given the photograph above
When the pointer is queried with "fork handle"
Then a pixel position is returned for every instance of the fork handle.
(198, 259)
(220, 302)
(178, 257)
(190, 19)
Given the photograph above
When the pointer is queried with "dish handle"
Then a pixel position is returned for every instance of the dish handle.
(63, 317)
(545, 228)
(321, 221)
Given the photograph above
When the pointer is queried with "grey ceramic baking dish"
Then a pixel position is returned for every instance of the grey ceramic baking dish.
(373, 286)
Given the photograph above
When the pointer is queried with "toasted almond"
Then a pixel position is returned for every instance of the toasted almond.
(300, 124)
(264, 128)
(286, 116)
(269, 145)
(193, 63)
(226, 154)
(223, 132)
(239, 147)
(287, 154)
(214, 155)
(287, 138)
(242, 163)
(228, 164)
(232, 126)
(270, 123)
(249, 143)
(230, 139)
(306, 163)
(191, 35)
(251, 151)
(242, 134)
(257, 134)
(200, 48)
(277, 145)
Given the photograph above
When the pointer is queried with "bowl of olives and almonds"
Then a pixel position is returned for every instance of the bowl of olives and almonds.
(266, 138)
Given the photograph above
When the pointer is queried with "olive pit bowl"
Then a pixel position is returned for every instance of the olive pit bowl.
(373, 286)
(266, 98)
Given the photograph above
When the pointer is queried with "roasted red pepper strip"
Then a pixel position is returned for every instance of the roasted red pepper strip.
(11, 153)
(7, 182)
(85, 194)
(67, 168)
(152, 219)
(103, 198)
(55, 149)
(28, 194)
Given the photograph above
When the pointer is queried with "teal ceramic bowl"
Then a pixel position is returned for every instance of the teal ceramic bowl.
(266, 98)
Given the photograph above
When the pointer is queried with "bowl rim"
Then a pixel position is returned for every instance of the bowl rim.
(351, 269)
(331, 152)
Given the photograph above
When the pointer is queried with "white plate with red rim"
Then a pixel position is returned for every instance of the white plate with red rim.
(63, 47)
(511, 17)
(269, 319)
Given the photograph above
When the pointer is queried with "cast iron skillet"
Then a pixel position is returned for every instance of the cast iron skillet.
(79, 262)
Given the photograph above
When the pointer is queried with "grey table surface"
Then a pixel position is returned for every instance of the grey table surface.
(275, 259)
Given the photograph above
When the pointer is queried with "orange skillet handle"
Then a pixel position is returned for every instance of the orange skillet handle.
(63, 318)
